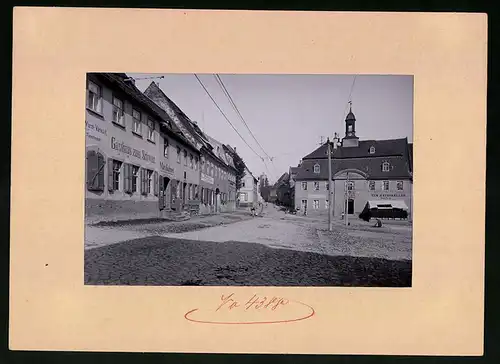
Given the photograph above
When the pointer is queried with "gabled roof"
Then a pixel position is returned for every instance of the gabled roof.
(372, 167)
(383, 148)
(119, 81)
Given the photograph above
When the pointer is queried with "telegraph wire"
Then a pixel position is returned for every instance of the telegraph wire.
(233, 104)
(225, 117)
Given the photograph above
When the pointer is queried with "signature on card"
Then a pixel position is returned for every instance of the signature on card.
(255, 309)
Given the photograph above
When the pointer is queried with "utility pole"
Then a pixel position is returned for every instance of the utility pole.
(330, 205)
(347, 200)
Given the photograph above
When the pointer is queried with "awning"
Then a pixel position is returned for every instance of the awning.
(387, 204)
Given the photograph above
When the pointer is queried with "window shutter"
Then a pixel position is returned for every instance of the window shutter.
(110, 174)
(155, 183)
(126, 178)
(100, 173)
(92, 169)
(161, 200)
(143, 181)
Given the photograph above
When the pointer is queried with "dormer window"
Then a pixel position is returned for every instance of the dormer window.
(372, 150)
(316, 168)
(385, 167)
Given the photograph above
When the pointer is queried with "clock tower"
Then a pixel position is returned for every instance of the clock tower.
(350, 139)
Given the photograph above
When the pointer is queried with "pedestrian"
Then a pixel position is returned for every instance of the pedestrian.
(253, 209)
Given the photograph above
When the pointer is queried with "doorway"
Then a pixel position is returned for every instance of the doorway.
(350, 206)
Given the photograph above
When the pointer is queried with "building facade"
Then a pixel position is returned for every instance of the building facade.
(215, 168)
(128, 166)
(362, 170)
(247, 194)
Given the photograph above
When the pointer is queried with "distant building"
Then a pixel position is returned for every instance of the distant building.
(362, 170)
(248, 190)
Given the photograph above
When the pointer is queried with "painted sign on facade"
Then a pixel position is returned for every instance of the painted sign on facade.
(122, 147)
(207, 179)
(388, 195)
(168, 171)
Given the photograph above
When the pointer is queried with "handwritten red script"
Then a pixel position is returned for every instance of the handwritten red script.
(229, 310)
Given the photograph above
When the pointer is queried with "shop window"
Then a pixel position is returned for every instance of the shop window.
(94, 97)
(95, 171)
(385, 185)
(151, 130)
(178, 154)
(386, 167)
(304, 186)
(316, 186)
(371, 185)
(117, 165)
(118, 115)
(315, 204)
(399, 185)
(136, 116)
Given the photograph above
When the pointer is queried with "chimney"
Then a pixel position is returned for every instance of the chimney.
(234, 149)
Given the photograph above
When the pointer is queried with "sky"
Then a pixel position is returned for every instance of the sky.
(288, 114)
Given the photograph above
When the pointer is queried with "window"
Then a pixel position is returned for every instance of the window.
(316, 168)
(372, 150)
(151, 130)
(191, 161)
(116, 175)
(94, 97)
(385, 167)
(326, 204)
(118, 112)
(350, 185)
(371, 185)
(399, 185)
(316, 186)
(385, 185)
(304, 186)
(136, 115)
(196, 163)
(349, 128)
(327, 186)
(315, 204)
(149, 183)
(165, 147)
(185, 158)
(135, 176)
(242, 183)
(178, 154)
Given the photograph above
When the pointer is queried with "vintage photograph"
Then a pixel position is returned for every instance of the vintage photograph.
(248, 180)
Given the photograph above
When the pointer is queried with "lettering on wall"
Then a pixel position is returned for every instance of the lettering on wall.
(388, 195)
(90, 128)
(207, 179)
(166, 168)
(122, 147)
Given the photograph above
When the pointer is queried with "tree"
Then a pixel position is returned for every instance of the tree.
(240, 170)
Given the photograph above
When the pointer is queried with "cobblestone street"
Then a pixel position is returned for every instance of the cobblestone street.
(238, 249)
